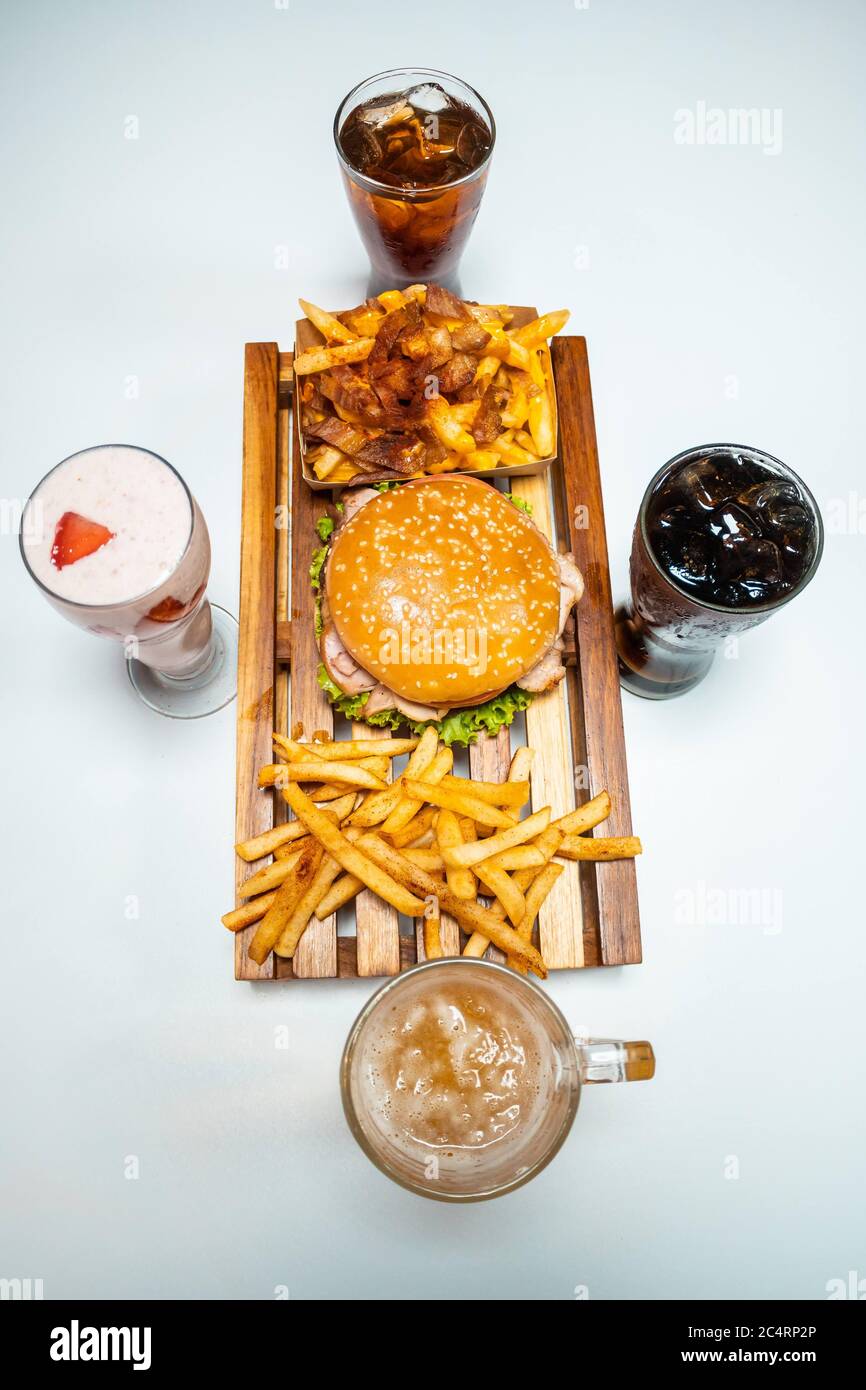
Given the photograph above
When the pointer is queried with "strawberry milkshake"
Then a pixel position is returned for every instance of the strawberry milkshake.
(119, 546)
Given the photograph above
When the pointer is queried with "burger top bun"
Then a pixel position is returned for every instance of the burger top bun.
(443, 590)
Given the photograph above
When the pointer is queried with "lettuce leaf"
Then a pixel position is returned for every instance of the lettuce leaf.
(349, 705)
(319, 558)
(460, 727)
(519, 502)
(325, 527)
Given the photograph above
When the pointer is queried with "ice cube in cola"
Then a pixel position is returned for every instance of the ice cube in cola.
(421, 140)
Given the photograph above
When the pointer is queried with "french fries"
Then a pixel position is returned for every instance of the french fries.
(351, 859)
(333, 791)
(466, 856)
(535, 895)
(433, 936)
(503, 888)
(330, 327)
(520, 765)
(305, 906)
(520, 857)
(592, 813)
(459, 802)
(271, 876)
(317, 770)
(447, 427)
(247, 913)
(410, 802)
(544, 845)
(429, 843)
(448, 835)
(376, 809)
(260, 845)
(533, 334)
(471, 916)
(448, 423)
(320, 359)
(429, 859)
(293, 751)
(287, 851)
(418, 831)
(496, 793)
(287, 897)
(341, 892)
(585, 847)
(345, 749)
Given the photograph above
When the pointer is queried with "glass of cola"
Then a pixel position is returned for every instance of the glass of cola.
(414, 147)
(725, 535)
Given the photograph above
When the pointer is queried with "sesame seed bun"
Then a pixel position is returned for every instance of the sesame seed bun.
(443, 590)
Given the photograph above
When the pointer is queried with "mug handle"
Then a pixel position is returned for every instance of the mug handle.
(606, 1059)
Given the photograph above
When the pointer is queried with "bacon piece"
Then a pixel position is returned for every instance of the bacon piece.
(379, 475)
(434, 453)
(351, 392)
(487, 424)
(393, 451)
(471, 392)
(311, 394)
(414, 345)
(456, 373)
(403, 320)
(397, 374)
(470, 337)
(442, 301)
(337, 432)
(439, 347)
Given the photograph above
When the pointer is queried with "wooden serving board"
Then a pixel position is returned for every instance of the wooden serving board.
(591, 916)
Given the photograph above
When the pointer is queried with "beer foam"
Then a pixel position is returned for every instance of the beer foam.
(456, 1073)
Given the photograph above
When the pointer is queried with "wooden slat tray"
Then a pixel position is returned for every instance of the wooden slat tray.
(591, 916)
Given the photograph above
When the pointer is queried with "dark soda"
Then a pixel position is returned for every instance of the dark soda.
(396, 141)
(729, 531)
(725, 536)
(415, 166)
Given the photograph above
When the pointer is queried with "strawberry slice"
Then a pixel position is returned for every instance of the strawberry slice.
(75, 536)
(169, 609)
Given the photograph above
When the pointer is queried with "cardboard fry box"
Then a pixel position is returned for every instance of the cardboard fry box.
(308, 336)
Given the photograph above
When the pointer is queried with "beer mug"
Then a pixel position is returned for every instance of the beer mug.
(461, 1079)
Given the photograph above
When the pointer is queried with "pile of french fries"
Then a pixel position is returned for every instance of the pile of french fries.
(427, 842)
(455, 389)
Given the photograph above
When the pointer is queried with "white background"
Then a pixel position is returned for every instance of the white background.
(721, 293)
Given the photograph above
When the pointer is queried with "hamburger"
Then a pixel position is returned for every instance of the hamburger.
(440, 601)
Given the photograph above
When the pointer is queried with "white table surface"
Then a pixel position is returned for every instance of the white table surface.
(721, 292)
